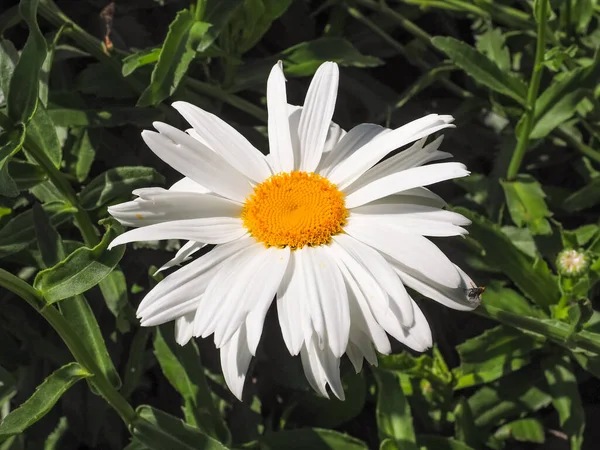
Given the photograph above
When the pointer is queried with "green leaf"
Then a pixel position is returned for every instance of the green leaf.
(8, 386)
(586, 197)
(182, 366)
(532, 277)
(303, 60)
(54, 439)
(159, 431)
(114, 291)
(178, 51)
(42, 132)
(81, 270)
(480, 68)
(465, 429)
(43, 399)
(11, 142)
(76, 310)
(139, 59)
(134, 370)
(493, 354)
(8, 59)
(117, 182)
(566, 400)
(26, 175)
(521, 392)
(523, 430)
(441, 443)
(558, 103)
(105, 118)
(48, 240)
(311, 438)
(19, 232)
(83, 154)
(526, 204)
(492, 44)
(218, 14)
(394, 419)
(24, 84)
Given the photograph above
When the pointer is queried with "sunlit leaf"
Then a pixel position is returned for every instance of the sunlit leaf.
(526, 204)
(394, 419)
(176, 54)
(493, 354)
(566, 399)
(532, 277)
(480, 67)
(524, 430)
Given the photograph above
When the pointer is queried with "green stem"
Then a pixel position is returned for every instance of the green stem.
(413, 59)
(72, 341)
(532, 92)
(199, 10)
(82, 219)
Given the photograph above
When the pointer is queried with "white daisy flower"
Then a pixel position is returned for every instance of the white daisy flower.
(320, 224)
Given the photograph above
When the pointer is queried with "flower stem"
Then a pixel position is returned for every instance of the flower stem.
(528, 116)
(199, 10)
(82, 218)
(72, 341)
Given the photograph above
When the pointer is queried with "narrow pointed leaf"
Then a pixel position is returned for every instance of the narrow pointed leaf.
(394, 419)
(159, 431)
(48, 240)
(42, 132)
(81, 270)
(19, 232)
(24, 85)
(311, 438)
(11, 143)
(481, 68)
(527, 205)
(42, 400)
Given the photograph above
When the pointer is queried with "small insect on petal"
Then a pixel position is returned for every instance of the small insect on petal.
(474, 293)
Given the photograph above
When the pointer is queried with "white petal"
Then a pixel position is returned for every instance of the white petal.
(407, 179)
(184, 254)
(212, 230)
(191, 280)
(275, 267)
(418, 337)
(332, 297)
(280, 142)
(252, 290)
(367, 156)
(415, 196)
(290, 305)
(381, 271)
(415, 156)
(317, 112)
(456, 298)
(235, 360)
(169, 309)
(167, 206)
(321, 367)
(355, 357)
(188, 185)
(196, 161)
(412, 250)
(409, 224)
(226, 141)
(356, 138)
(184, 328)
(360, 312)
(390, 207)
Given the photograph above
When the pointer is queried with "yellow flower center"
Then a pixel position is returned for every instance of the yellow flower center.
(295, 209)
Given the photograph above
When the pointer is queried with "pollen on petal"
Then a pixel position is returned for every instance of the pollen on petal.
(139, 216)
(295, 209)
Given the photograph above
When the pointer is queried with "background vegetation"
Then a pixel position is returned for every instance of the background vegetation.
(80, 79)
